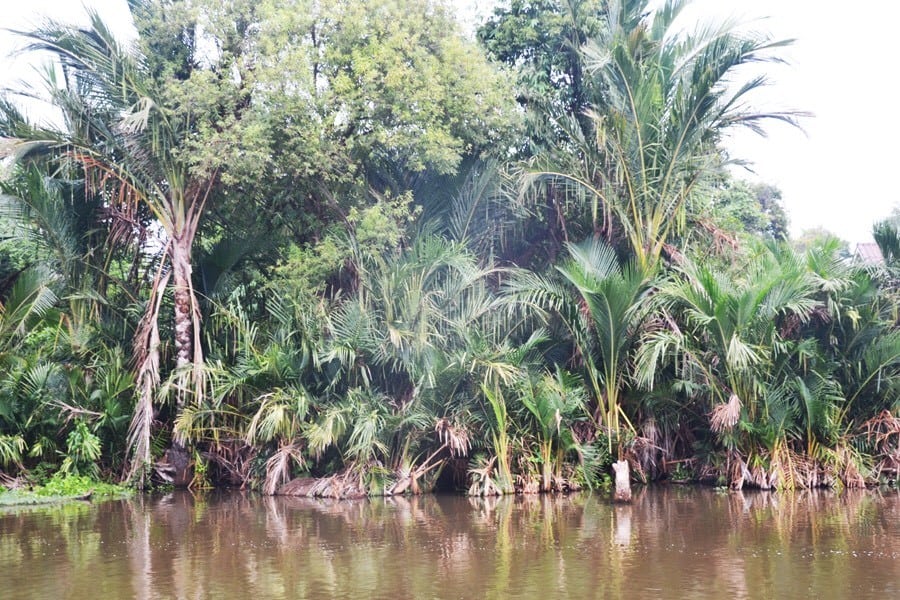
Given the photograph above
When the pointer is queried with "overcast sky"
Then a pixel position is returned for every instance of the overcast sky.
(836, 175)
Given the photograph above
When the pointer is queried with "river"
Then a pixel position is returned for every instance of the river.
(672, 542)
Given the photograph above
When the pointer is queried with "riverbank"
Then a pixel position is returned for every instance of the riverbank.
(61, 488)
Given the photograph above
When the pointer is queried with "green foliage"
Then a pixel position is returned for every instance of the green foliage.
(542, 40)
(729, 336)
(82, 452)
(412, 92)
(554, 402)
(667, 99)
(502, 481)
(754, 209)
(817, 237)
(600, 304)
(12, 447)
(63, 486)
(296, 238)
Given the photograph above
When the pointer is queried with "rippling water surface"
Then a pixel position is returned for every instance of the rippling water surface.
(671, 543)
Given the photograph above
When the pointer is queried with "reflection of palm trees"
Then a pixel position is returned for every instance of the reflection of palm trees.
(700, 542)
(139, 556)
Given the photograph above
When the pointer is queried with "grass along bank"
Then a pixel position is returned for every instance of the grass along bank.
(63, 488)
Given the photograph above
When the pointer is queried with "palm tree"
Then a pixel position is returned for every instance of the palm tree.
(119, 130)
(67, 272)
(723, 337)
(553, 401)
(376, 380)
(601, 304)
(28, 304)
(887, 235)
(415, 330)
(669, 97)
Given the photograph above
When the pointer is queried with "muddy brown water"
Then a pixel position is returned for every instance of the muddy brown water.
(672, 542)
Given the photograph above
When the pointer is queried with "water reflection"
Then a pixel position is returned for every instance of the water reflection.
(671, 542)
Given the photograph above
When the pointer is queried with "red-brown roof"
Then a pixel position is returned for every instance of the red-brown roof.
(869, 253)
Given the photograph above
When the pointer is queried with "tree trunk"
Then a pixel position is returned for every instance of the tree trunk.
(186, 317)
(181, 271)
(175, 467)
(623, 482)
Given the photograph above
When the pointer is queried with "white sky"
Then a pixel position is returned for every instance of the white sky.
(842, 68)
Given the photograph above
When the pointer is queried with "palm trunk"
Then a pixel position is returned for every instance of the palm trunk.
(547, 466)
(184, 302)
(623, 481)
(187, 317)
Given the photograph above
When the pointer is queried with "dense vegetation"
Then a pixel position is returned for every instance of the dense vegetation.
(340, 241)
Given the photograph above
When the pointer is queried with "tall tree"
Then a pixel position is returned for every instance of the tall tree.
(753, 208)
(668, 95)
(542, 40)
(121, 129)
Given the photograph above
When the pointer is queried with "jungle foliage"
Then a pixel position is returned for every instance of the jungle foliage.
(340, 249)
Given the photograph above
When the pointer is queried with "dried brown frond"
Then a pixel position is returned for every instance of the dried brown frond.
(787, 468)
(278, 467)
(584, 432)
(650, 431)
(722, 240)
(674, 254)
(880, 428)
(850, 473)
(344, 485)
(73, 412)
(483, 483)
(883, 432)
(233, 460)
(724, 417)
(125, 226)
(759, 477)
(455, 438)
(641, 454)
(790, 326)
(528, 484)
(146, 366)
(10, 482)
(585, 311)
(736, 470)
